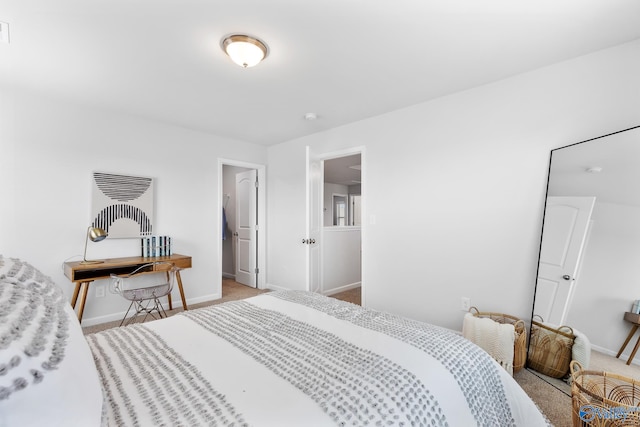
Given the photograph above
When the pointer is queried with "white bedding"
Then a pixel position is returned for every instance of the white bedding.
(300, 359)
(47, 375)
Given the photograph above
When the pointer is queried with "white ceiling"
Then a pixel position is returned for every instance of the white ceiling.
(616, 154)
(344, 60)
(343, 170)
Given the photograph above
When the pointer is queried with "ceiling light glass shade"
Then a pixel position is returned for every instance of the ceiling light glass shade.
(244, 50)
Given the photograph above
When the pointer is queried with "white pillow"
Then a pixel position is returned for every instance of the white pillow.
(47, 373)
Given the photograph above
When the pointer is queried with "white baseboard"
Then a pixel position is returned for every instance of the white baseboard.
(273, 287)
(175, 300)
(342, 288)
(228, 276)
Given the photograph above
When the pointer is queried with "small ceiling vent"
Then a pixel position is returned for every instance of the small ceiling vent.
(4, 32)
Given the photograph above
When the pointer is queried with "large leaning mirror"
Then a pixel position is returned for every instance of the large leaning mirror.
(589, 265)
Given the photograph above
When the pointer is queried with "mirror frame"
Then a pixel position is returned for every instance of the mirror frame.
(544, 213)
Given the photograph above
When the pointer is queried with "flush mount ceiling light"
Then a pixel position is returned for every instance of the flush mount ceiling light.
(244, 50)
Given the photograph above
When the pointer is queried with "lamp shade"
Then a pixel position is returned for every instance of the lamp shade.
(244, 50)
(94, 234)
(97, 234)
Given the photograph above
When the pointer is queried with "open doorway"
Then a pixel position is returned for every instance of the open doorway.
(242, 208)
(342, 231)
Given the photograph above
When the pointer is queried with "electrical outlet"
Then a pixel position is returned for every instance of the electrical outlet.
(465, 304)
(100, 291)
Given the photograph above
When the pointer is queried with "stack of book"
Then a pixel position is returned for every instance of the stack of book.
(156, 246)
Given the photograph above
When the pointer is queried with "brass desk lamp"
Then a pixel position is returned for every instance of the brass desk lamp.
(96, 235)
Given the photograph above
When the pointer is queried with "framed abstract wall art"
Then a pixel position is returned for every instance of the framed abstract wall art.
(122, 205)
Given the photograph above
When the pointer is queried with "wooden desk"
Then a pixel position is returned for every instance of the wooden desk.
(635, 320)
(83, 274)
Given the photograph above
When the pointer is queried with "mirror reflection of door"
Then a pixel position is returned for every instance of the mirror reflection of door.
(566, 222)
(606, 168)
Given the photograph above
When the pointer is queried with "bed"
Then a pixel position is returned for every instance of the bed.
(283, 358)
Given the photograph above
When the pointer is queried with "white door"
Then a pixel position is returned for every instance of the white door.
(314, 220)
(566, 222)
(246, 228)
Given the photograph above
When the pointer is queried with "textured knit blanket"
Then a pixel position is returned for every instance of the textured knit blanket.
(495, 338)
(295, 358)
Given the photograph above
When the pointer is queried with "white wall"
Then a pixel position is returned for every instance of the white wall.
(610, 277)
(470, 170)
(49, 150)
(286, 222)
(340, 259)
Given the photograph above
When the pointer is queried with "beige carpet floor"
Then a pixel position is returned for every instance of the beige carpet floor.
(553, 402)
(553, 399)
(553, 395)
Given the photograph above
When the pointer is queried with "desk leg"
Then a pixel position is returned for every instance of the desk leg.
(633, 353)
(84, 287)
(184, 301)
(169, 299)
(74, 298)
(634, 328)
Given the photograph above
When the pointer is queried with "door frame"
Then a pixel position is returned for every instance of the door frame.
(261, 217)
(363, 209)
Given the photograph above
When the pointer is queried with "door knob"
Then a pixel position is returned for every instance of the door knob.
(566, 277)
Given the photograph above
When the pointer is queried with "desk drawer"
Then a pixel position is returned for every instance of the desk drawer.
(182, 262)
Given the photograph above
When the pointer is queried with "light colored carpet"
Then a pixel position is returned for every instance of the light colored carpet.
(554, 403)
(553, 396)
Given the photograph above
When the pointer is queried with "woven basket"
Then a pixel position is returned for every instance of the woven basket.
(602, 399)
(550, 349)
(520, 343)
